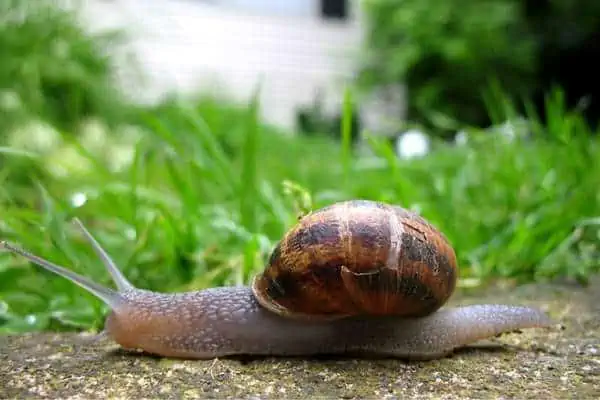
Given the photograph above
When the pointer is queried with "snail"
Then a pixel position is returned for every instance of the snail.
(357, 277)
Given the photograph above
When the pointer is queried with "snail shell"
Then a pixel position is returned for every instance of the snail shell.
(358, 257)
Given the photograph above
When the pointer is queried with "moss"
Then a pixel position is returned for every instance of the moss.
(551, 363)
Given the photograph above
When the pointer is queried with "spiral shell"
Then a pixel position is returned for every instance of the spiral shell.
(355, 258)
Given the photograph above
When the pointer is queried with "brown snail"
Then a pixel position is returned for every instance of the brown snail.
(357, 277)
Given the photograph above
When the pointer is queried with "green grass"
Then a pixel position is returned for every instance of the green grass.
(53, 67)
(192, 207)
(189, 195)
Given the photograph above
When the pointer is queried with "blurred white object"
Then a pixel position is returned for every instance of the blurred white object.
(36, 136)
(78, 199)
(461, 138)
(229, 48)
(412, 143)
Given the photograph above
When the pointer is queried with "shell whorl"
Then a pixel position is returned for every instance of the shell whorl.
(355, 258)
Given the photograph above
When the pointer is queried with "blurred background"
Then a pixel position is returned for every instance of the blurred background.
(189, 135)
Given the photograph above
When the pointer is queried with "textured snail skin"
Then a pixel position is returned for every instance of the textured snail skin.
(228, 321)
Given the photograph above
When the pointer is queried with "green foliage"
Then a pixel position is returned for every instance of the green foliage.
(51, 68)
(447, 53)
(192, 194)
(182, 213)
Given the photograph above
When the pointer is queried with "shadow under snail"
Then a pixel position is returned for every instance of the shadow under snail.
(357, 278)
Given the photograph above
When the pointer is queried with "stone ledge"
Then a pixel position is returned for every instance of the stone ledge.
(557, 363)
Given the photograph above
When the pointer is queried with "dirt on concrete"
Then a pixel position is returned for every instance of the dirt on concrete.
(560, 362)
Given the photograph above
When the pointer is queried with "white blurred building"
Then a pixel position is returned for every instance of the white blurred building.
(295, 49)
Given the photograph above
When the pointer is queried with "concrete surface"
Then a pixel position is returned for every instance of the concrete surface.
(561, 362)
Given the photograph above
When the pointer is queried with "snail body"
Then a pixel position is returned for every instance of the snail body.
(356, 278)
